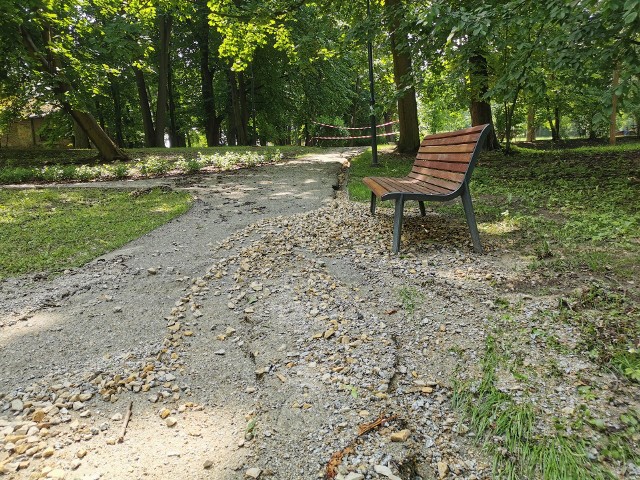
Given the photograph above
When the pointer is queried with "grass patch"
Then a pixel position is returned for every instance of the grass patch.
(50, 230)
(609, 323)
(568, 209)
(507, 430)
(45, 166)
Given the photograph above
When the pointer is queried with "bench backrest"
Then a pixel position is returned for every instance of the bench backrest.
(446, 160)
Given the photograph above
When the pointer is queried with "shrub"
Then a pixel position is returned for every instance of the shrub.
(154, 166)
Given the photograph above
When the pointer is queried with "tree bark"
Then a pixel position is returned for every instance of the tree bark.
(108, 150)
(211, 120)
(531, 124)
(117, 111)
(614, 107)
(164, 28)
(239, 110)
(80, 139)
(480, 108)
(145, 109)
(176, 135)
(409, 140)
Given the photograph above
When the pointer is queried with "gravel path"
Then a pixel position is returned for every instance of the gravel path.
(253, 336)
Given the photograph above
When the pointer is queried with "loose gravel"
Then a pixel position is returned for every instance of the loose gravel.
(257, 335)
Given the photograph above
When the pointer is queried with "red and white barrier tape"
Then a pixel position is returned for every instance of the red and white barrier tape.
(352, 138)
(355, 128)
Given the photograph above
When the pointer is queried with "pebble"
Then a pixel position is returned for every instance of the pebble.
(253, 473)
(385, 471)
(443, 469)
(171, 421)
(400, 436)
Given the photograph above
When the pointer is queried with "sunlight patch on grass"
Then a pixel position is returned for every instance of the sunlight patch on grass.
(51, 230)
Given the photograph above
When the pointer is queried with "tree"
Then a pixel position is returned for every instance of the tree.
(51, 49)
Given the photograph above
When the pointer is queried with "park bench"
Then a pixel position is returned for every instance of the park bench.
(441, 172)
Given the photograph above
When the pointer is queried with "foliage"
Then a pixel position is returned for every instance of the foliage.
(51, 230)
(149, 163)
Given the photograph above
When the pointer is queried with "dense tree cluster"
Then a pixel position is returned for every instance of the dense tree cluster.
(242, 72)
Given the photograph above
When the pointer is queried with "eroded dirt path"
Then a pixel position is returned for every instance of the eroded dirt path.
(254, 336)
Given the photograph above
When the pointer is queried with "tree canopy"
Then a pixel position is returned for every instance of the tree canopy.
(241, 72)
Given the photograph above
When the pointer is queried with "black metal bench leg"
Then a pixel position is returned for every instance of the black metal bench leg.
(423, 212)
(471, 218)
(397, 223)
(373, 203)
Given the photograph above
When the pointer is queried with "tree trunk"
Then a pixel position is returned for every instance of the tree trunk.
(613, 128)
(531, 124)
(164, 27)
(145, 109)
(480, 108)
(80, 139)
(239, 108)
(117, 111)
(211, 123)
(49, 65)
(176, 135)
(409, 141)
(108, 150)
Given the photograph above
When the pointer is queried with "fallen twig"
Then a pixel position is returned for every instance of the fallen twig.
(127, 417)
(336, 458)
(367, 427)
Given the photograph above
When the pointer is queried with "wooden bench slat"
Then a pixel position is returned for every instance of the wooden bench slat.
(449, 157)
(456, 177)
(451, 166)
(463, 148)
(447, 185)
(470, 138)
(464, 131)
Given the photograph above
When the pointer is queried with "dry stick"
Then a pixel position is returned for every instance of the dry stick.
(336, 459)
(126, 422)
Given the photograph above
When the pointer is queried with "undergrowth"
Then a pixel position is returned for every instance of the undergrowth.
(507, 430)
(148, 164)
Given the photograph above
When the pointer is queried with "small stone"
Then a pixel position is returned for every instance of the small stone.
(164, 413)
(443, 470)
(386, 471)
(17, 405)
(48, 452)
(57, 473)
(38, 415)
(152, 271)
(219, 352)
(116, 417)
(81, 453)
(75, 464)
(568, 411)
(253, 473)
(401, 436)
(207, 464)
(171, 421)
(354, 476)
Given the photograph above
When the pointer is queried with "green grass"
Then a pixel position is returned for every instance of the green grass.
(567, 209)
(50, 230)
(507, 430)
(45, 166)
